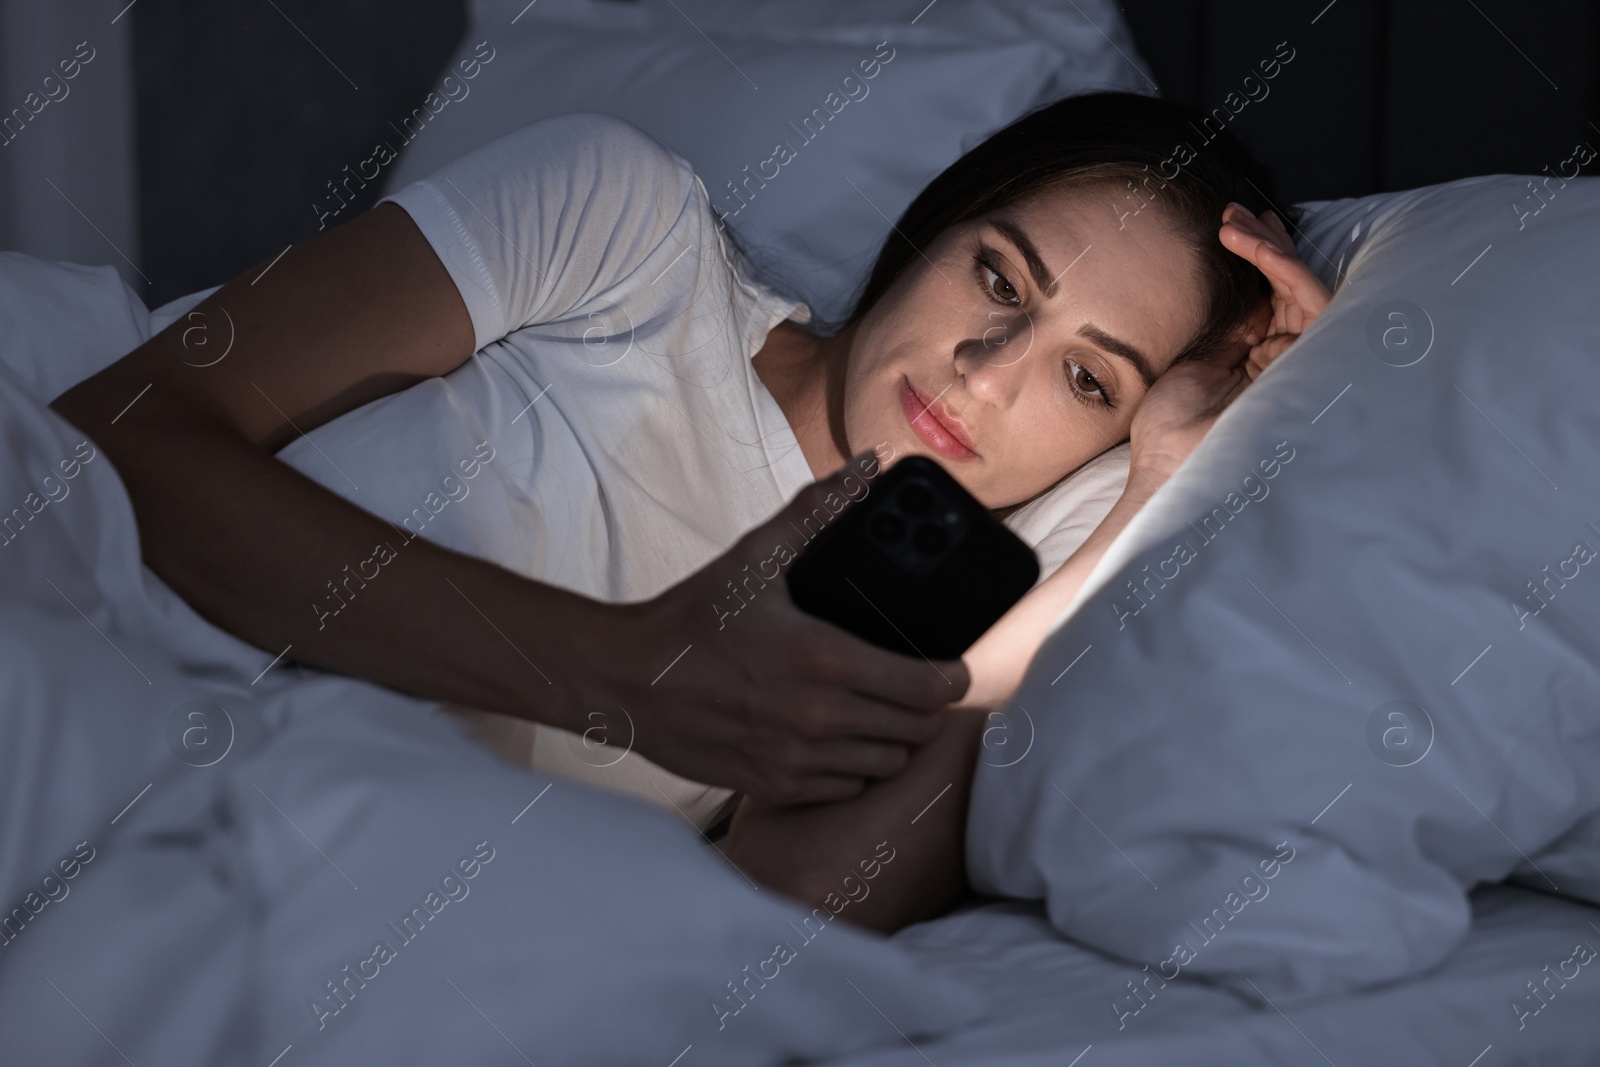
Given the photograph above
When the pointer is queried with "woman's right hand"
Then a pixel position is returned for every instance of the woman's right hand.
(769, 701)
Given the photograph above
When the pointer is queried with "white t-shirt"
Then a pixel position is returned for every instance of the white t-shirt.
(610, 436)
(631, 439)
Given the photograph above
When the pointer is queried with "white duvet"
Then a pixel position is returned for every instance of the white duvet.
(204, 860)
(1058, 1003)
(1345, 665)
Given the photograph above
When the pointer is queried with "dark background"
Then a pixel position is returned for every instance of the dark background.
(1388, 94)
(242, 119)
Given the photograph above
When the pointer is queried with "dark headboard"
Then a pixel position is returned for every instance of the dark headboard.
(1386, 94)
(236, 143)
(245, 111)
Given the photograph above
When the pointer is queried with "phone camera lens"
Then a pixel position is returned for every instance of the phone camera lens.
(887, 527)
(931, 538)
(915, 498)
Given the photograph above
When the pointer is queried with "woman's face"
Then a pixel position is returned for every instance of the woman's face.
(1017, 347)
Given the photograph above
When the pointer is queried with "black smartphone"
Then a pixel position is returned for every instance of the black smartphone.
(917, 565)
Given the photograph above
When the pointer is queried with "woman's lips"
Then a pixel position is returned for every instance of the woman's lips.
(941, 431)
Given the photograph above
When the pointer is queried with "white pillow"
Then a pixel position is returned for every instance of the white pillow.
(1059, 521)
(64, 321)
(1093, 40)
(886, 114)
(1287, 753)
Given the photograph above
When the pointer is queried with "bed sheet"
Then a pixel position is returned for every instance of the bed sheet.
(1055, 1003)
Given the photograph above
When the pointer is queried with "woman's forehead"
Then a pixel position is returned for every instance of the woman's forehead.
(1128, 276)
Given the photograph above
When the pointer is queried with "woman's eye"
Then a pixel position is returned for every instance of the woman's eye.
(995, 282)
(1085, 383)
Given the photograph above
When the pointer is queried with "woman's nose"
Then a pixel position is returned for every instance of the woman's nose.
(996, 364)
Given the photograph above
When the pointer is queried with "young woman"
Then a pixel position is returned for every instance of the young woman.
(561, 314)
(1078, 171)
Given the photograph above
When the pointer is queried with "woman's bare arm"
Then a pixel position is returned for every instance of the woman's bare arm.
(782, 705)
(1001, 656)
(830, 855)
(805, 851)
(362, 311)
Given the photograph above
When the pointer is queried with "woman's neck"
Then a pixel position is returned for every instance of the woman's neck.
(805, 375)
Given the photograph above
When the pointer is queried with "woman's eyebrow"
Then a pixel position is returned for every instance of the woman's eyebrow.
(1030, 255)
(1116, 347)
(1047, 285)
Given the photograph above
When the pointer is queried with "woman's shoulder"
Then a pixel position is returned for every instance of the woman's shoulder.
(621, 152)
(544, 221)
(636, 168)
(578, 214)
(608, 162)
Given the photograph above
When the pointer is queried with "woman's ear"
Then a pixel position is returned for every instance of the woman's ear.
(1254, 326)
(1245, 335)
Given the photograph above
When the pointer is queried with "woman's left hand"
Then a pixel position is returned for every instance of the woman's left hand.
(1178, 410)
(1298, 296)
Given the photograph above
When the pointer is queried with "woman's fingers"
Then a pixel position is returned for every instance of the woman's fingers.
(1262, 227)
(831, 767)
(1291, 278)
(845, 660)
(857, 757)
(1246, 243)
(1275, 224)
(1246, 237)
(816, 711)
(1262, 355)
(832, 654)
(755, 694)
(1298, 295)
(821, 789)
(845, 716)
(831, 788)
(839, 769)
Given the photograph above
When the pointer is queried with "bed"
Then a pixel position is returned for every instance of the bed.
(1055, 1000)
(241, 839)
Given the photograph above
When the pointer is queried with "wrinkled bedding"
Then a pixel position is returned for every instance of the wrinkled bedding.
(210, 856)
(209, 847)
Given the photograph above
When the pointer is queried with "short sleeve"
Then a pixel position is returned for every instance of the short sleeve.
(535, 225)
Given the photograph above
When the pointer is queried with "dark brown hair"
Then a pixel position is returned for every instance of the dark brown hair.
(1160, 152)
